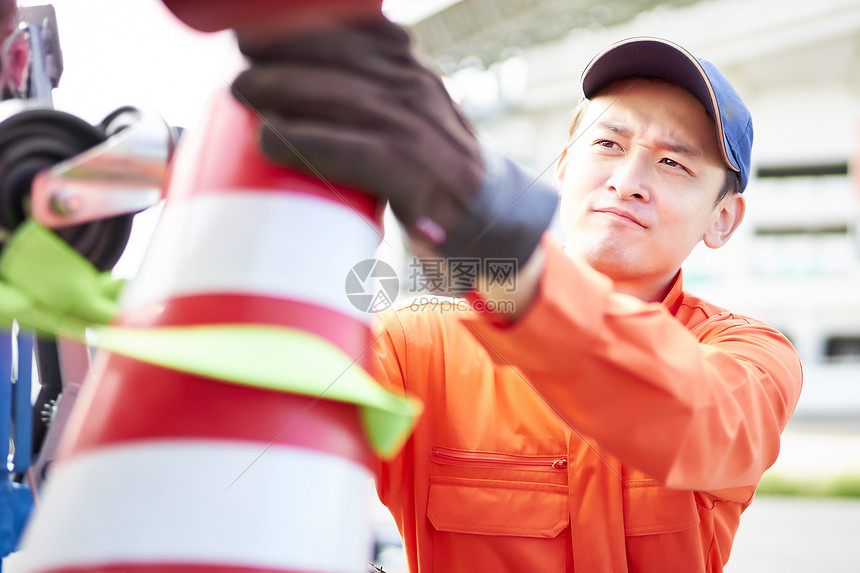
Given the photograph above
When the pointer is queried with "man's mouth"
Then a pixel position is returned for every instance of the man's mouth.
(622, 214)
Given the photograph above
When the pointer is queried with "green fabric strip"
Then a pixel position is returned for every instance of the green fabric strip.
(282, 359)
(49, 288)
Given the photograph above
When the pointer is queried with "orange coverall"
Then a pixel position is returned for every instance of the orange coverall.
(596, 434)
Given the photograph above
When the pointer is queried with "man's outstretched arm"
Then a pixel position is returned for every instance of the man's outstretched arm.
(353, 105)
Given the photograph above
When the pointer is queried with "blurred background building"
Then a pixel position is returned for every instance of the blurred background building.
(514, 66)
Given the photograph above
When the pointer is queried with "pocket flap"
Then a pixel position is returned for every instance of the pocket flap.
(650, 508)
(492, 507)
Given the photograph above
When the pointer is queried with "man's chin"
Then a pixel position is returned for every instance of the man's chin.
(607, 257)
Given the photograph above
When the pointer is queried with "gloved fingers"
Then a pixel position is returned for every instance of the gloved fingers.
(419, 107)
(366, 161)
(363, 76)
(338, 154)
(361, 46)
(420, 120)
(302, 91)
(380, 159)
(353, 106)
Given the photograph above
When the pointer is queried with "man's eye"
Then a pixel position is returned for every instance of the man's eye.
(606, 143)
(672, 163)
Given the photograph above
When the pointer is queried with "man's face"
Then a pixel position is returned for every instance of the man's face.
(640, 180)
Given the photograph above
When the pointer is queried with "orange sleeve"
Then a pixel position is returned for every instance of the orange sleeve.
(389, 369)
(699, 411)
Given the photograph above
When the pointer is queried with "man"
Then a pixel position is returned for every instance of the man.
(609, 420)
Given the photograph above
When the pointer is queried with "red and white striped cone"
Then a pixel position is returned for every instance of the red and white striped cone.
(169, 471)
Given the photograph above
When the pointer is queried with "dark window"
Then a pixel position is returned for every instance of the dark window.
(816, 170)
(842, 349)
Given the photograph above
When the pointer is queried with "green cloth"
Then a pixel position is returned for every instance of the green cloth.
(48, 287)
(274, 358)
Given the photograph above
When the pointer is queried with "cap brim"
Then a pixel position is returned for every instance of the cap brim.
(658, 58)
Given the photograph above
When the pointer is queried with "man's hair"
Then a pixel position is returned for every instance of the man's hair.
(731, 184)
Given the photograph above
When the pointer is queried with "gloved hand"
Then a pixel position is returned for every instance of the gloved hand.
(353, 106)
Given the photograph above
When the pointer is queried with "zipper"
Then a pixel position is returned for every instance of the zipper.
(443, 455)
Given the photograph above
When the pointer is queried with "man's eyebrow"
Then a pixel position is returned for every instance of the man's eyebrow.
(613, 127)
(680, 148)
(667, 144)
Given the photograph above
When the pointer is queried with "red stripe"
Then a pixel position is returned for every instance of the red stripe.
(135, 401)
(283, 16)
(349, 334)
(204, 164)
(168, 567)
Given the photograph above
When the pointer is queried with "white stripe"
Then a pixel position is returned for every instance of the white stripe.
(289, 246)
(173, 502)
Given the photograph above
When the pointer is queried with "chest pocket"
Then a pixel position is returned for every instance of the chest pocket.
(493, 511)
(651, 509)
(660, 526)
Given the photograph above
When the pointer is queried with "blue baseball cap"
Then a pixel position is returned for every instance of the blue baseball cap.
(659, 58)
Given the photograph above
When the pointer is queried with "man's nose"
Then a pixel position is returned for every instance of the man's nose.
(630, 179)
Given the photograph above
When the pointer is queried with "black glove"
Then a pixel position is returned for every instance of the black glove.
(352, 105)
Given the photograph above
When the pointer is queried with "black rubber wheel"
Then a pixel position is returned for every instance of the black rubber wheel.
(33, 140)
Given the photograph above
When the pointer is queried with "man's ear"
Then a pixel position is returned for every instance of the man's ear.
(560, 168)
(727, 217)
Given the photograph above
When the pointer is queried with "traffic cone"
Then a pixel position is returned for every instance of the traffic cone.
(165, 468)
